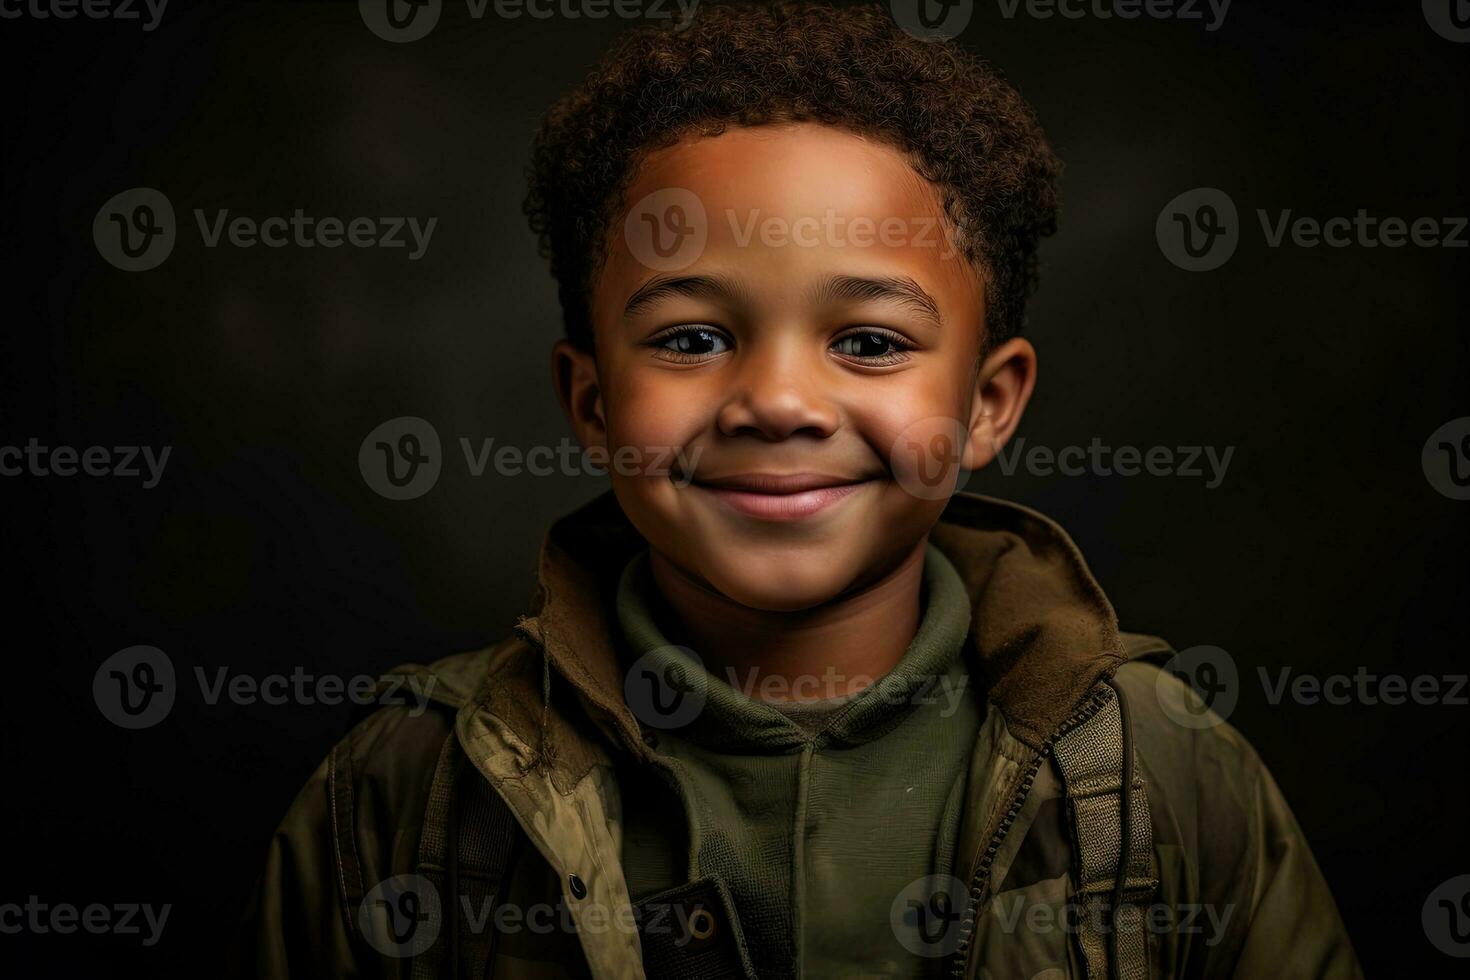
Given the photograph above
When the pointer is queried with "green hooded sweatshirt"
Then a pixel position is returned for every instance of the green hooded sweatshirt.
(780, 811)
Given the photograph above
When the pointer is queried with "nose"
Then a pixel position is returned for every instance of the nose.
(778, 395)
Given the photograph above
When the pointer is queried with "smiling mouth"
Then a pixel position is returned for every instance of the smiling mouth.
(779, 496)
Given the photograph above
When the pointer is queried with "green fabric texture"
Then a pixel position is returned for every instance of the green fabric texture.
(1042, 636)
(812, 716)
(817, 823)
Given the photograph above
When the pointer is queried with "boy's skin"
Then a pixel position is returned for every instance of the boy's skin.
(781, 386)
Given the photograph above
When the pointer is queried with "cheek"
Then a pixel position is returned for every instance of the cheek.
(655, 410)
(918, 403)
(653, 418)
(919, 428)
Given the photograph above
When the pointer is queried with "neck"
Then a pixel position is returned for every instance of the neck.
(829, 651)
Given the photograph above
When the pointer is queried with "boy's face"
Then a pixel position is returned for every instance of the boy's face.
(802, 389)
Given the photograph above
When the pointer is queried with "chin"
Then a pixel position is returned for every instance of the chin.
(777, 583)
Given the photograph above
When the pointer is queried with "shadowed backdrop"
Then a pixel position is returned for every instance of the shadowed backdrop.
(1323, 547)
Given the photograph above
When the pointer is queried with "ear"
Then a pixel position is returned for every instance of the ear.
(574, 375)
(1002, 389)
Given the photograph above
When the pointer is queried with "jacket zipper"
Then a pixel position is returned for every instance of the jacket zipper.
(960, 962)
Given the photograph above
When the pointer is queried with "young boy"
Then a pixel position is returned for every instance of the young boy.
(787, 705)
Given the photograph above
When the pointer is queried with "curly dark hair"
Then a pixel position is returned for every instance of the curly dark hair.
(957, 120)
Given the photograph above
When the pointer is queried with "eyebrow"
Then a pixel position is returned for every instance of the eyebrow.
(902, 290)
(894, 289)
(695, 287)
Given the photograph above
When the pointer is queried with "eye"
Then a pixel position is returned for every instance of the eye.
(688, 343)
(873, 346)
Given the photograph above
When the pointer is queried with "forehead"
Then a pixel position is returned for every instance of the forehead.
(793, 168)
(782, 205)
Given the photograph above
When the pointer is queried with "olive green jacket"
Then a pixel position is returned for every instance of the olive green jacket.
(1225, 883)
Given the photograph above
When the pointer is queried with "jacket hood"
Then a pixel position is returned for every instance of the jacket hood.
(1042, 632)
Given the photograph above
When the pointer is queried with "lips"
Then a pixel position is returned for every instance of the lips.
(779, 496)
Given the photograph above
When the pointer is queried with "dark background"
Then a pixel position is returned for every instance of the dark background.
(262, 549)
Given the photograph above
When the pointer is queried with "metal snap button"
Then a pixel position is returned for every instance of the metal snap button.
(701, 924)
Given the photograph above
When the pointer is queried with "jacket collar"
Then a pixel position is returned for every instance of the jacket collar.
(1042, 632)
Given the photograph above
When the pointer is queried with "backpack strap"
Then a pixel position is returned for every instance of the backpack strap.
(466, 847)
(1108, 804)
(345, 858)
